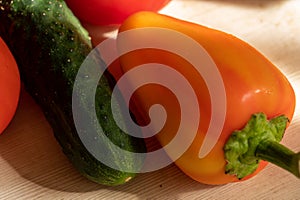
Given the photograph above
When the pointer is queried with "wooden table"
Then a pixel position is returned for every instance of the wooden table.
(33, 166)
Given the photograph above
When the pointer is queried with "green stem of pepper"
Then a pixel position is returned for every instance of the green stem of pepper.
(259, 140)
(279, 155)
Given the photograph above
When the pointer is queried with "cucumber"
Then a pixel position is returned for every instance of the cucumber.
(49, 45)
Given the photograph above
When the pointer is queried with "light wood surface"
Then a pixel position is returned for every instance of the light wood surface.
(33, 166)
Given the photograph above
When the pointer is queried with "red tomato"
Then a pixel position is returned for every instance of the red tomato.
(10, 85)
(105, 12)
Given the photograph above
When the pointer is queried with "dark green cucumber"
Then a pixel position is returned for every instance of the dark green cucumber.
(50, 45)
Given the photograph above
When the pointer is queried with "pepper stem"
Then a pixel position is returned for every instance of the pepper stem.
(279, 155)
(259, 140)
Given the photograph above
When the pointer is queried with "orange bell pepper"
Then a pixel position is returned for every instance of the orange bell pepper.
(254, 88)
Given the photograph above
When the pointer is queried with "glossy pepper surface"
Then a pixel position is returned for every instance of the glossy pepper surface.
(253, 87)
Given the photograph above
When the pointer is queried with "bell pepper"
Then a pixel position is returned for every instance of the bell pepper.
(259, 100)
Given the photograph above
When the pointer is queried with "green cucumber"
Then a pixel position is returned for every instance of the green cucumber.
(49, 45)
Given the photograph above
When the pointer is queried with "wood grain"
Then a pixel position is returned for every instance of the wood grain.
(33, 166)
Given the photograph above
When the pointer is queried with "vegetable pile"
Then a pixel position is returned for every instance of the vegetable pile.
(50, 44)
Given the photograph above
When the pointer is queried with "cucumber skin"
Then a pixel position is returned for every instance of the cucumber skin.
(49, 45)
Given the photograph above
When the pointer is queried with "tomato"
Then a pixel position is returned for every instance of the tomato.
(252, 84)
(105, 12)
(9, 86)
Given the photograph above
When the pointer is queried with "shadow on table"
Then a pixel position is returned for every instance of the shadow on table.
(29, 147)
